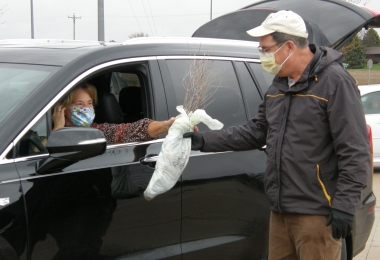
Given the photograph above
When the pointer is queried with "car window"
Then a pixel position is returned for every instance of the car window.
(17, 82)
(33, 142)
(371, 103)
(263, 78)
(251, 92)
(226, 103)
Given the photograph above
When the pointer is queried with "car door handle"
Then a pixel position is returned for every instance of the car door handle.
(149, 160)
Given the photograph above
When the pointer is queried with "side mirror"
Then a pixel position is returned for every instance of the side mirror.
(69, 145)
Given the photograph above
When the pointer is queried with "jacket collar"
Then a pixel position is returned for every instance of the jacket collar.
(309, 72)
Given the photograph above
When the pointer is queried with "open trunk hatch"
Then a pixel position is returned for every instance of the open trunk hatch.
(329, 22)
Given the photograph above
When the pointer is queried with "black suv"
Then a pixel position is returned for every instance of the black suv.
(59, 206)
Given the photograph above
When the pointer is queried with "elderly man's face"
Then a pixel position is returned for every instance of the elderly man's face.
(268, 45)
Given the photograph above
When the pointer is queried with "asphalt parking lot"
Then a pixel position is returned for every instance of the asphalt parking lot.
(372, 249)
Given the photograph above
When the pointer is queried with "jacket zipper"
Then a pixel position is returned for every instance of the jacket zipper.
(287, 101)
(327, 196)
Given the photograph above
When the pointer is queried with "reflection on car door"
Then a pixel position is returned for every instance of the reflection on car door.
(95, 209)
(13, 229)
(224, 209)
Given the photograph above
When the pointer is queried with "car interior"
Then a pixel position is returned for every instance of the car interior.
(122, 98)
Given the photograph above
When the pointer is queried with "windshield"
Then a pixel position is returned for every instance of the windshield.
(371, 103)
(17, 81)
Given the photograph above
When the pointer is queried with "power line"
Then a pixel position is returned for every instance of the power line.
(152, 17)
(147, 18)
(135, 15)
(74, 18)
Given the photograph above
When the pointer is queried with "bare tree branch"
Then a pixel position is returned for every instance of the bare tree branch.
(196, 81)
(362, 2)
(139, 34)
(3, 9)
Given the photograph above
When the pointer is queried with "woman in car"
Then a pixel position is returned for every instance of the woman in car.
(77, 109)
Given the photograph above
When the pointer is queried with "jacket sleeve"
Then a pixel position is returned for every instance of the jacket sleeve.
(351, 143)
(124, 133)
(251, 135)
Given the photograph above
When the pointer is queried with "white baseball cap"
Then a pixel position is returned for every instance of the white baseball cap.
(284, 22)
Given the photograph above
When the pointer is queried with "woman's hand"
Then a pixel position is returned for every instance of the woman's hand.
(157, 128)
(59, 117)
(168, 123)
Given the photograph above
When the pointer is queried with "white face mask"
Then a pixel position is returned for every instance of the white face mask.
(268, 61)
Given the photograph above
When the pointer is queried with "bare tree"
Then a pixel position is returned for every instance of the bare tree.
(362, 2)
(139, 34)
(3, 9)
(197, 80)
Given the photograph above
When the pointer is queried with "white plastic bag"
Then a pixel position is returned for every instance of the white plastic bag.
(175, 151)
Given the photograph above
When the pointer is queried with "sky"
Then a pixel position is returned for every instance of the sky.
(169, 18)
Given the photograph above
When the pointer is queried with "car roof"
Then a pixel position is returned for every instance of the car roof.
(55, 52)
(61, 52)
(330, 23)
(365, 89)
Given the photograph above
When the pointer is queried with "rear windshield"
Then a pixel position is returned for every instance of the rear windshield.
(17, 81)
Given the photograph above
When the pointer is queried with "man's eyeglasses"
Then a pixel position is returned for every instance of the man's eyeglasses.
(265, 50)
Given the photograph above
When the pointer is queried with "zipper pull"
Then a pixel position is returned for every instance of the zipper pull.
(316, 78)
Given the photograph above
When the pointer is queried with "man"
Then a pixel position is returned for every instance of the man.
(313, 126)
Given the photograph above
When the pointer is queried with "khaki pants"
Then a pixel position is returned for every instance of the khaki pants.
(304, 237)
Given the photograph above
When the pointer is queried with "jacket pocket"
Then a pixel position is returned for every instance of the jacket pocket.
(325, 192)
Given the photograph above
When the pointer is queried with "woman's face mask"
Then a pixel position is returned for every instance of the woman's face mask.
(268, 61)
(82, 116)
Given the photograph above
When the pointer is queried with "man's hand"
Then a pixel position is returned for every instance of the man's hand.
(196, 140)
(341, 223)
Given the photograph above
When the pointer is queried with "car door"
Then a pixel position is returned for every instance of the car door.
(224, 209)
(94, 209)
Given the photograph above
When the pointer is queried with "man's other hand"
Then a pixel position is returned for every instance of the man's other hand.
(341, 223)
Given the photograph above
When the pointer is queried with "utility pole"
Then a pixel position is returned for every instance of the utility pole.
(100, 20)
(74, 18)
(211, 11)
(31, 19)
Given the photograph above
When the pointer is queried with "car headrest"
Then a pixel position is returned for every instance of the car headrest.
(108, 110)
(130, 103)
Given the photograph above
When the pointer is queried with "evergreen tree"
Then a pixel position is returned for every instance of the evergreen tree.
(371, 39)
(354, 53)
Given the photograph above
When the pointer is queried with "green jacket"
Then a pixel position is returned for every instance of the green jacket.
(316, 138)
